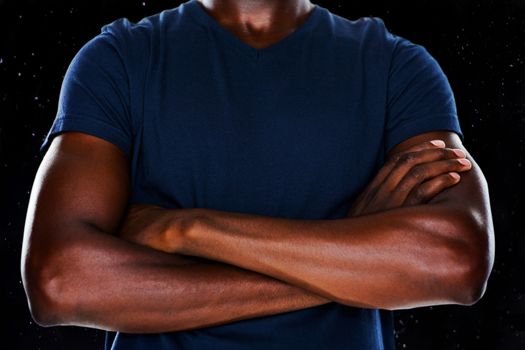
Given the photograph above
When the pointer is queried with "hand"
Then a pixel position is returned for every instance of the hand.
(154, 227)
(137, 222)
(411, 177)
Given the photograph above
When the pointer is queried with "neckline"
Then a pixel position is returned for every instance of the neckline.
(199, 13)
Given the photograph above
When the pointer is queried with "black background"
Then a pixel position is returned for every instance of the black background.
(480, 46)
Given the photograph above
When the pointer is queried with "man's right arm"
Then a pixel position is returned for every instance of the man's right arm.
(77, 272)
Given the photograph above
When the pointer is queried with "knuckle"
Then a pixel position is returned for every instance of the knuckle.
(404, 186)
(417, 172)
(407, 158)
(395, 158)
(419, 194)
(446, 153)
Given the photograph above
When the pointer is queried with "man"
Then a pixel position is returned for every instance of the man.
(253, 175)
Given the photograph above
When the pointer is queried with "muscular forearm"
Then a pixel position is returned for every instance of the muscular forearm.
(401, 258)
(108, 283)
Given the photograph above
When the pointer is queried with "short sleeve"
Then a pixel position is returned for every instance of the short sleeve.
(420, 98)
(94, 96)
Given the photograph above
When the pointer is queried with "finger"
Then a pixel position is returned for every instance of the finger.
(425, 171)
(409, 160)
(370, 191)
(392, 161)
(429, 189)
(373, 187)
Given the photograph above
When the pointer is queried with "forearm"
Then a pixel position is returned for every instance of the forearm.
(401, 258)
(104, 282)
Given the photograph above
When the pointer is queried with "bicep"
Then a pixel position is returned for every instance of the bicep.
(82, 179)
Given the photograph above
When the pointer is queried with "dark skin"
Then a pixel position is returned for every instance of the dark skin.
(433, 247)
(89, 261)
(259, 23)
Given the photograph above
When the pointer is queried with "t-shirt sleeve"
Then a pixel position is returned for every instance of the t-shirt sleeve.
(94, 96)
(420, 98)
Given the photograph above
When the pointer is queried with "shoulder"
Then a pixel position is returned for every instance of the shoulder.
(149, 31)
(370, 30)
(368, 37)
(377, 43)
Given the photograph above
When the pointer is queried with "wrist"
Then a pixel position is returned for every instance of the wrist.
(180, 227)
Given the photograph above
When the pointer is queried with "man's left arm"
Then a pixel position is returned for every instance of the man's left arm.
(436, 253)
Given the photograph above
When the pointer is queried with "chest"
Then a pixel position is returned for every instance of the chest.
(282, 138)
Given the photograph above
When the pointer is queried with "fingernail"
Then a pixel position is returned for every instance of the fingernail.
(459, 153)
(438, 143)
(464, 161)
(455, 176)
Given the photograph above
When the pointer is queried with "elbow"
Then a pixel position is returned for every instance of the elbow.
(470, 291)
(41, 282)
(42, 311)
(474, 294)
(474, 260)
(473, 285)
(42, 307)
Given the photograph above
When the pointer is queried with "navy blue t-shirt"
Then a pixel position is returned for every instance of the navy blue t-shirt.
(294, 130)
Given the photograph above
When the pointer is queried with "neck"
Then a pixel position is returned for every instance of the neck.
(259, 18)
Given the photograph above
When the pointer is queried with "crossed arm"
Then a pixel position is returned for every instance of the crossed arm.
(397, 248)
